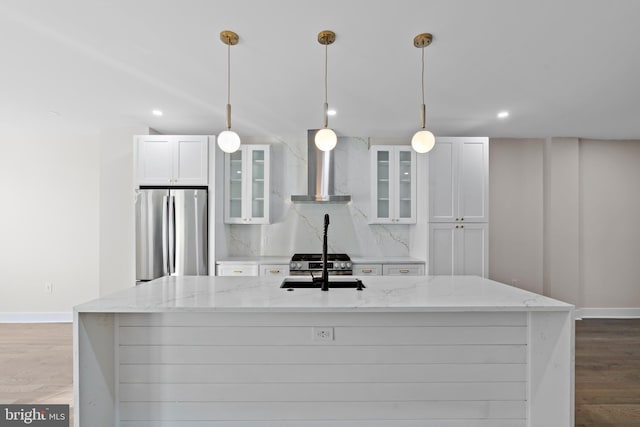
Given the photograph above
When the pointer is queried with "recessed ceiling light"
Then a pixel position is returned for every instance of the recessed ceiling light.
(331, 112)
(157, 112)
(503, 114)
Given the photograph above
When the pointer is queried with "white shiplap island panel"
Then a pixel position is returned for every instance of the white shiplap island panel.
(212, 351)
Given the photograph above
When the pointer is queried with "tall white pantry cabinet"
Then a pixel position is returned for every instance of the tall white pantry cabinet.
(459, 206)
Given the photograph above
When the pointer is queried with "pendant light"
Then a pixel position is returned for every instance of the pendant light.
(326, 138)
(423, 140)
(228, 140)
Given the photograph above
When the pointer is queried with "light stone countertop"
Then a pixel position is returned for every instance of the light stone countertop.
(263, 294)
(386, 260)
(285, 260)
(255, 260)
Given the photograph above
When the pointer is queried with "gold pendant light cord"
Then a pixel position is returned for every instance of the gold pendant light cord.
(423, 75)
(326, 60)
(229, 83)
(422, 109)
(326, 104)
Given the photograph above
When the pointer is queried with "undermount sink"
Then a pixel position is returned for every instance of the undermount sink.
(290, 283)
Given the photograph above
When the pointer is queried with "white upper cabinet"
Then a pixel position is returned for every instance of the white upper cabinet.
(393, 185)
(459, 249)
(459, 180)
(247, 187)
(172, 160)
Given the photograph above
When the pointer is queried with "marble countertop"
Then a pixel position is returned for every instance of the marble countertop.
(263, 294)
(386, 260)
(285, 260)
(255, 260)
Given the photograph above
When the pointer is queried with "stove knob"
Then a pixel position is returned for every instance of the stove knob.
(342, 265)
(348, 265)
(292, 265)
(299, 265)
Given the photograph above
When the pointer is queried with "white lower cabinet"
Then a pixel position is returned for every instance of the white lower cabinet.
(388, 269)
(281, 270)
(403, 270)
(274, 270)
(237, 270)
(367, 269)
(459, 249)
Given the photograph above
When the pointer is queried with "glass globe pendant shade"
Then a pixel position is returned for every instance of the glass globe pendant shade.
(423, 141)
(228, 141)
(326, 139)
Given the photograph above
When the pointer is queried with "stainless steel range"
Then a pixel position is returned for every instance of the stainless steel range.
(308, 264)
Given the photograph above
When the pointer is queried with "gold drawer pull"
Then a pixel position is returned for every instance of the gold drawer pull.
(367, 270)
(237, 271)
(404, 271)
(275, 271)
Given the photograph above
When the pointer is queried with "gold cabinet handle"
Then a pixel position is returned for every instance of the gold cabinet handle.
(404, 271)
(367, 270)
(275, 271)
(237, 271)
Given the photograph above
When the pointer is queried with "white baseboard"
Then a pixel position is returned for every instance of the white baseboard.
(607, 313)
(37, 317)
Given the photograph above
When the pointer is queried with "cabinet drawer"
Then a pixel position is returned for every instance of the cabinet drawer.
(237, 269)
(403, 270)
(367, 269)
(274, 270)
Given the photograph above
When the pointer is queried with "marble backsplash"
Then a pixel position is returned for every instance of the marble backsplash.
(297, 227)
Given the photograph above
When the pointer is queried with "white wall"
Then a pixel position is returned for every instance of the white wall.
(562, 219)
(610, 245)
(569, 245)
(117, 230)
(48, 221)
(516, 220)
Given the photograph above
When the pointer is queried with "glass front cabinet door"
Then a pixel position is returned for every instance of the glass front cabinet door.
(393, 185)
(247, 185)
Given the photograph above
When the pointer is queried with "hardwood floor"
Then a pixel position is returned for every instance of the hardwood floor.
(608, 373)
(36, 363)
(36, 367)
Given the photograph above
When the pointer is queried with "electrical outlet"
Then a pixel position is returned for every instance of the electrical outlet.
(323, 334)
(48, 287)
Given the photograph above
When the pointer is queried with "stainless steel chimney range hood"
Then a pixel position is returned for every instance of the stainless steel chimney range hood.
(320, 176)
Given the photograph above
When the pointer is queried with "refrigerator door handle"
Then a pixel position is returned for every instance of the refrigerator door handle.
(197, 232)
(165, 235)
(172, 234)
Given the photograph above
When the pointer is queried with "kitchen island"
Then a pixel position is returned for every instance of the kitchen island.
(405, 351)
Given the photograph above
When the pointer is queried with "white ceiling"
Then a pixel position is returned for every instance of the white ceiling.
(560, 67)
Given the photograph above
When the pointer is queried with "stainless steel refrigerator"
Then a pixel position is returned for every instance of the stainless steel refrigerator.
(171, 232)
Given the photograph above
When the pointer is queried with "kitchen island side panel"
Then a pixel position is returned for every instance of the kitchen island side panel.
(95, 346)
(264, 369)
(551, 374)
